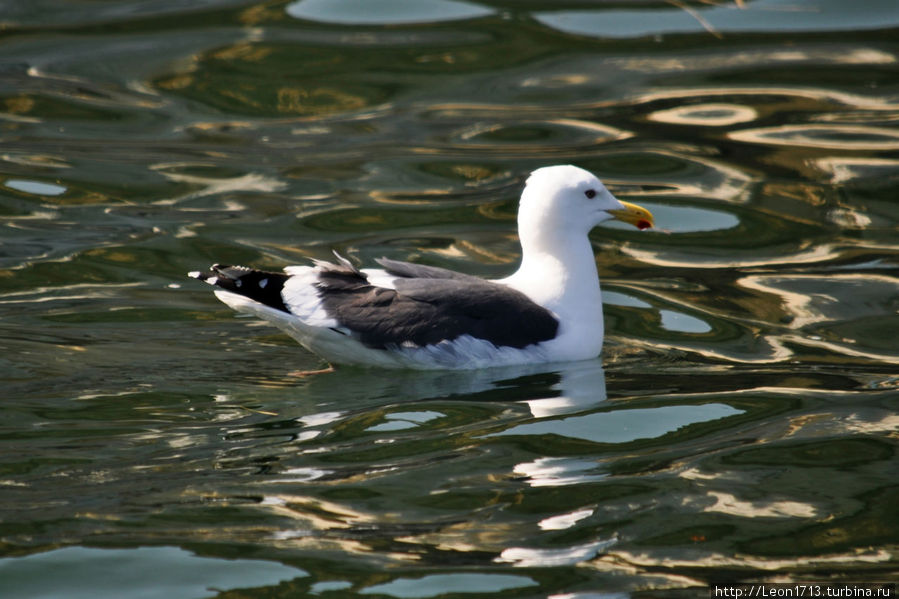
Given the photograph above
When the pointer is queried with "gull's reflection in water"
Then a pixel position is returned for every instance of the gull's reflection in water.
(581, 386)
(547, 389)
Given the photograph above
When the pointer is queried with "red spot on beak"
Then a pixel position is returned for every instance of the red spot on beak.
(643, 224)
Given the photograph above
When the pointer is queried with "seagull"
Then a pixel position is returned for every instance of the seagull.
(406, 315)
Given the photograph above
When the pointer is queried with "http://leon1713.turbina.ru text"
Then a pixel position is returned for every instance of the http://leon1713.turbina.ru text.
(809, 590)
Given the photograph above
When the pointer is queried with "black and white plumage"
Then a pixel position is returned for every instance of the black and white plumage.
(415, 316)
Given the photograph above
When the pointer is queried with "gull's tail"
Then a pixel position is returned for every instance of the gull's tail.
(258, 285)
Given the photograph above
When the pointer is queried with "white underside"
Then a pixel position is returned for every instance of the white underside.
(465, 352)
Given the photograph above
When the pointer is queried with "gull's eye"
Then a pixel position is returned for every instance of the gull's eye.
(590, 193)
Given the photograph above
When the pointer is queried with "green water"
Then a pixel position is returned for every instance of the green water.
(742, 424)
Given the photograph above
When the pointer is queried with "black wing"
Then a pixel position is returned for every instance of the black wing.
(430, 305)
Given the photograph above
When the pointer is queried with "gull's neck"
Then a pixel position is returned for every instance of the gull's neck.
(558, 271)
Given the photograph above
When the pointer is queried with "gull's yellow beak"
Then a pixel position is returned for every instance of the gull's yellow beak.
(634, 215)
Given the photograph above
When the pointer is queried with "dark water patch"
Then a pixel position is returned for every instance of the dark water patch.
(831, 454)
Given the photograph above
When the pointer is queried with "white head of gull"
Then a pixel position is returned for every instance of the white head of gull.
(406, 315)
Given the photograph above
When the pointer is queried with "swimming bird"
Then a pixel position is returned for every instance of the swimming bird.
(406, 315)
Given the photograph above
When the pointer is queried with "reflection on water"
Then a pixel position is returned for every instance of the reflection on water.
(706, 115)
(623, 426)
(714, 17)
(385, 12)
(439, 584)
(35, 187)
(740, 426)
(82, 573)
(839, 137)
